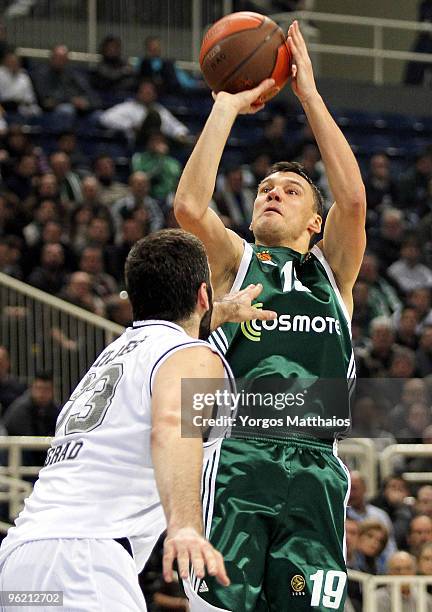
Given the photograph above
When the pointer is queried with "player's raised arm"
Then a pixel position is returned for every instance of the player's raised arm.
(197, 183)
(344, 234)
(178, 465)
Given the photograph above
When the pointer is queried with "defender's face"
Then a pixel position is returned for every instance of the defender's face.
(284, 208)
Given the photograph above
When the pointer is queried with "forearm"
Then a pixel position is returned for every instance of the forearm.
(197, 182)
(178, 465)
(342, 169)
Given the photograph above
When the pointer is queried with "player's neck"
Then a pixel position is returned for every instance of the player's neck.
(191, 325)
(300, 246)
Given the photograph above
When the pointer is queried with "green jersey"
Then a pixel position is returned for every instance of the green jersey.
(309, 342)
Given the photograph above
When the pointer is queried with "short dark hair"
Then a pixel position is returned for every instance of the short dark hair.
(45, 375)
(284, 166)
(163, 274)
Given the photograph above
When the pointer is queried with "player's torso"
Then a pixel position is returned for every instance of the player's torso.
(98, 479)
(310, 338)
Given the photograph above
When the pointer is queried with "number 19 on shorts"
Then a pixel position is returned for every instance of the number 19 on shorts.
(327, 592)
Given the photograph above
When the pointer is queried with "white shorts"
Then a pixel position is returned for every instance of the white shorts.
(94, 575)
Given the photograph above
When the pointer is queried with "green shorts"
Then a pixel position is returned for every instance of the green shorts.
(276, 512)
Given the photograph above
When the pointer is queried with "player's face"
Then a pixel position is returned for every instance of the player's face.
(284, 209)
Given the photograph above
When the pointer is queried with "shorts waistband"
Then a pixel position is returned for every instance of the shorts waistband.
(324, 445)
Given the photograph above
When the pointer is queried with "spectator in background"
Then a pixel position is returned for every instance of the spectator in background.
(46, 210)
(119, 310)
(110, 190)
(423, 505)
(234, 202)
(256, 171)
(385, 241)
(12, 218)
(113, 74)
(401, 563)
(15, 144)
(62, 88)
(160, 70)
(162, 169)
(52, 233)
(391, 498)
(413, 391)
(371, 542)
(367, 422)
(99, 233)
(274, 141)
(9, 257)
(20, 181)
(424, 562)
(91, 262)
(406, 329)
(420, 532)
(50, 276)
(310, 159)
(142, 115)
(424, 352)
(47, 188)
(383, 299)
(16, 89)
(35, 412)
(414, 184)
(91, 195)
(375, 360)
(420, 300)
(363, 313)
(381, 189)
(80, 221)
(79, 291)
(407, 272)
(132, 231)
(360, 510)
(10, 387)
(67, 143)
(68, 181)
(351, 542)
(418, 418)
(139, 202)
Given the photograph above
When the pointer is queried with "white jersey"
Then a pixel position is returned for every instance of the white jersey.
(98, 480)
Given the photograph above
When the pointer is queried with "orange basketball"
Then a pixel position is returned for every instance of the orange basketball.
(241, 50)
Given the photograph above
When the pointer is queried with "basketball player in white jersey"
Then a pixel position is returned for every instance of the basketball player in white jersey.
(118, 471)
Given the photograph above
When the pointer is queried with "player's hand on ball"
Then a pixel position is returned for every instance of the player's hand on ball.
(302, 80)
(239, 306)
(250, 101)
(190, 548)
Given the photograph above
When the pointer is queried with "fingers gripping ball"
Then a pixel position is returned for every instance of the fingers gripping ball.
(241, 50)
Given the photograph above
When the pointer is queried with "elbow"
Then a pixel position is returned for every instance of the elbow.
(186, 211)
(355, 203)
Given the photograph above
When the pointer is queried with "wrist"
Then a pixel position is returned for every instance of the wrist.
(187, 526)
(310, 98)
(225, 104)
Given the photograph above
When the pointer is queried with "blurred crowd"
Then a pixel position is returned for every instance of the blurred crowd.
(68, 220)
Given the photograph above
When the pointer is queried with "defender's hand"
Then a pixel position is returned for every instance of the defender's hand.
(190, 548)
(302, 81)
(237, 307)
(250, 101)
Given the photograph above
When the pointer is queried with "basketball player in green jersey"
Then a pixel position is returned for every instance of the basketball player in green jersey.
(275, 507)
